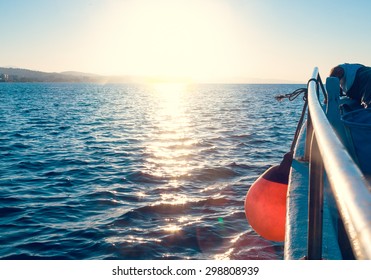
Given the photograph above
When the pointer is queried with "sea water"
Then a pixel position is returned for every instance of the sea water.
(158, 171)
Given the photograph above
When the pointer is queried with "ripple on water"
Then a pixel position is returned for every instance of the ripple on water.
(136, 172)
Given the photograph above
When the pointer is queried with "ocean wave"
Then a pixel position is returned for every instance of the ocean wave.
(214, 174)
(113, 172)
(143, 177)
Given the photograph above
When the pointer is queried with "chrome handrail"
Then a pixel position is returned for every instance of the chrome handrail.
(347, 182)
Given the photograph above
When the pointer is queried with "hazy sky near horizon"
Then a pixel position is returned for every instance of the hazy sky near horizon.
(217, 40)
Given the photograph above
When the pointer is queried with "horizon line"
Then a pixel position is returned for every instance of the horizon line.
(140, 79)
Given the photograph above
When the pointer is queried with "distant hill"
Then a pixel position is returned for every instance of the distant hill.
(25, 75)
(9, 74)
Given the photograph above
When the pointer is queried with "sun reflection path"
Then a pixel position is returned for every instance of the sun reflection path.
(172, 156)
(170, 148)
(170, 144)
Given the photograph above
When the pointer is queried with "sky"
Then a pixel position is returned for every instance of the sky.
(203, 40)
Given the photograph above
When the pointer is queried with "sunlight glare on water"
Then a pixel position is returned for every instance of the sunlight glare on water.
(169, 146)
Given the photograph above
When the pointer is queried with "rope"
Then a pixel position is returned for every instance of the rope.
(293, 95)
(285, 164)
(298, 127)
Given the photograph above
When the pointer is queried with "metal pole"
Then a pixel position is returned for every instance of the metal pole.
(315, 202)
(308, 137)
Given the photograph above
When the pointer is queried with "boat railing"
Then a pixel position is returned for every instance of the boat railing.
(325, 152)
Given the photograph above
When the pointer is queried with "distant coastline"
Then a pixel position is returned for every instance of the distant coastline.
(14, 75)
(31, 76)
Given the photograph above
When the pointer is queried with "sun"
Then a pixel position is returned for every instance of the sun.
(170, 39)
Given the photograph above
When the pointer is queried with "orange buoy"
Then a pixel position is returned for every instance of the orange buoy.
(265, 203)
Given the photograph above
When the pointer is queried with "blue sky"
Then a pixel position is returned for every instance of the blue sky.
(206, 40)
